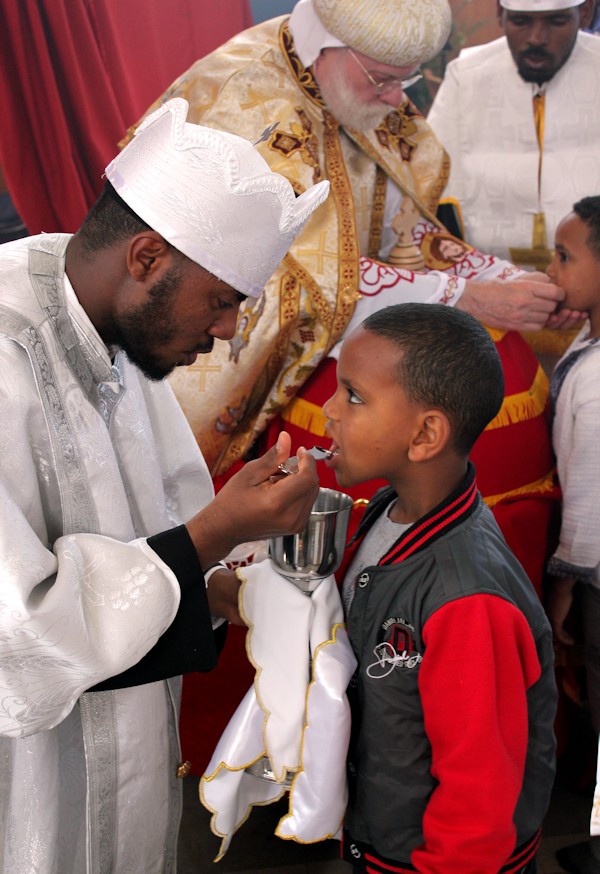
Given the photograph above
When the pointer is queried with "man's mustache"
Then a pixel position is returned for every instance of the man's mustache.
(536, 55)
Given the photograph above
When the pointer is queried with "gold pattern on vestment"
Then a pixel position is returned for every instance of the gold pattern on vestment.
(348, 271)
(258, 100)
(377, 213)
(303, 75)
(397, 131)
(424, 176)
(201, 368)
(250, 313)
(254, 81)
(319, 253)
(299, 139)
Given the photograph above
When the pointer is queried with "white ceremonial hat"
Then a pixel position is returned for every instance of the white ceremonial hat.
(402, 33)
(309, 33)
(212, 196)
(539, 5)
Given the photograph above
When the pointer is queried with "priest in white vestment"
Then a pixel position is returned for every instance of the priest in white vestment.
(109, 528)
(520, 119)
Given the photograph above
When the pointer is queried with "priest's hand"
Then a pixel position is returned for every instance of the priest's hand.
(255, 504)
(562, 319)
(522, 304)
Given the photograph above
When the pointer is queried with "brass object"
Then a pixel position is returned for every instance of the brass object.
(539, 255)
(183, 770)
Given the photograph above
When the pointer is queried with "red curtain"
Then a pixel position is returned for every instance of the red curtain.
(74, 74)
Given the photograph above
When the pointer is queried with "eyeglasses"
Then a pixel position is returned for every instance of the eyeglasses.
(383, 86)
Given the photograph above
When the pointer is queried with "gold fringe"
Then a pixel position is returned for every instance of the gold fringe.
(540, 486)
(519, 407)
(524, 405)
(306, 415)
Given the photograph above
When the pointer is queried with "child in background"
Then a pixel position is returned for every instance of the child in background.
(451, 762)
(575, 397)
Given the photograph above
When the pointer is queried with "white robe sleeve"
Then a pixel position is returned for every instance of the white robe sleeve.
(444, 119)
(72, 617)
(75, 611)
(383, 285)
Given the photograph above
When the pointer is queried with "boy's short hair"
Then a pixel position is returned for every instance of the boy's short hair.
(588, 210)
(449, 362)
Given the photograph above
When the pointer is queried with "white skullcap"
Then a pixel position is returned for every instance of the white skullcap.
(403, 33)
(212, 196)
(309, 33)
(539, 5)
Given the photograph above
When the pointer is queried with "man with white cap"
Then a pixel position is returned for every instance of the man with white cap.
(109, 527)
(520, 118)
(323, 94)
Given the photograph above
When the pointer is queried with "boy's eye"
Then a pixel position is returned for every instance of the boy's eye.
(563, 257)
(353, 398)
(224, 304)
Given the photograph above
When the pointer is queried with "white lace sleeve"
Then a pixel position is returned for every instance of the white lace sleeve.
(383, 285)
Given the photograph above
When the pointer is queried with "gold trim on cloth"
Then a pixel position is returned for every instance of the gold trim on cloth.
(523, 405)
(539, 255)
(518, 407)
(421, 173)
(376, 228)
(304, 414)
(303, 75)
(539, 487)
(348, 271)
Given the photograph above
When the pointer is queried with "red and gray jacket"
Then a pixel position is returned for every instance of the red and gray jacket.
(452, 754)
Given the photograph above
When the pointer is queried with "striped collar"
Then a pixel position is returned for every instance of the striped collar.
(452, 511)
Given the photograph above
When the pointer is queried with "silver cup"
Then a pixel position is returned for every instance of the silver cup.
(308, 557)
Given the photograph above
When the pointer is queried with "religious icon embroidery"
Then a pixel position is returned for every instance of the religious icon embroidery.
(442, 251)
(247, 321)
(230, 417)
(398, 129)
(301, 140)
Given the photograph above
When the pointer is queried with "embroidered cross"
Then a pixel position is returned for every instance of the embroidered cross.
(319, 253)
(396, 130)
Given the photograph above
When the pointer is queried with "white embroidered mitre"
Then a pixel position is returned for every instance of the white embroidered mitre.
(212, 196)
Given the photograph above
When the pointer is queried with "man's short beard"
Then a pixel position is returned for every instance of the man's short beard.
(147, 328)
(341, 101)
(528, 74)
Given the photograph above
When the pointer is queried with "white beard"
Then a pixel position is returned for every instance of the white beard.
(342, 102)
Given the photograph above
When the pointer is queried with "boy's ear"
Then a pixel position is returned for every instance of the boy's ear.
(432, 436)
